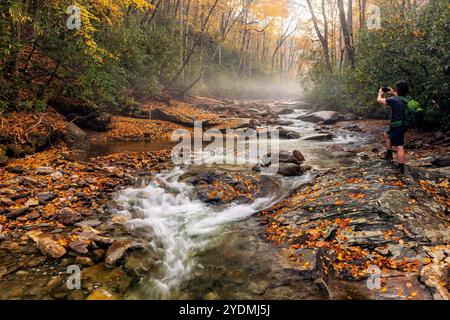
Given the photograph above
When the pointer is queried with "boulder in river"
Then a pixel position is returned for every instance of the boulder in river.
(354, 128)
(320, 137)
(327, 117)
(288, 134)
(285, 157)
(286, 111)
(75, 138)
(282, 122)
(289, 169)
(298, 156)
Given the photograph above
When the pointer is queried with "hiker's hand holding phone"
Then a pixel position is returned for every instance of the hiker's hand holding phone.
(393, 92)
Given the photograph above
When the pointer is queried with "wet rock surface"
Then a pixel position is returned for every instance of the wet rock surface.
(326, 117)
(376, 220)
(228, 187)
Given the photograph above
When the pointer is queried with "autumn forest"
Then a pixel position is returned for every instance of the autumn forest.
(224, 150)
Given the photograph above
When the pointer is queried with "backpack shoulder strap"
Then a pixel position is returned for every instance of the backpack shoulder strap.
(405, 99)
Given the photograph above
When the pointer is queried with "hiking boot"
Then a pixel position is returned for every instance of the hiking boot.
(398, 170)
(388, 156)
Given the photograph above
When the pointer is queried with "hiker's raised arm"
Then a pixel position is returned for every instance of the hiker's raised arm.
(381, 100)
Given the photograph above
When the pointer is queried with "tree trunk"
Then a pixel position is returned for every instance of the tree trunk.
(346, 34)
(323, 40)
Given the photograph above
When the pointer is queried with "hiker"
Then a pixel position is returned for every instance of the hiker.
(395, 136)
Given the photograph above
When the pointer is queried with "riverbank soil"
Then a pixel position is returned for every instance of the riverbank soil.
(58, 208)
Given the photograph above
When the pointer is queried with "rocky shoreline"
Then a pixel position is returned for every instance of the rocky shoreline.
(56, 212)
(350, 219)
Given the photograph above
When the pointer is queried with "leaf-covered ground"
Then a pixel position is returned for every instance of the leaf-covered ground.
(360, 217)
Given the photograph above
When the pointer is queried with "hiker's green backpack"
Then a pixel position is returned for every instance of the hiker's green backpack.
(413, 111)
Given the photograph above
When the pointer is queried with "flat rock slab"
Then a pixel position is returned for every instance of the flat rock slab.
(118, 249)
(320, 137)
(327, 117)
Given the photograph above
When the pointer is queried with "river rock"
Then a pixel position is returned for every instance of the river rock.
(102, 294)
(285, 157)
(84, 261)
(349, 117)
(327, 117)
(289, 169)
(6, 202)
(442, 161)
(435, 277)
(282, 122)
(354, 128)
(75, 138)
(68, 216)
(56, 176)
(14, 169)
(17, 212)
(90, 223)
(286, 111)
(320, 137)
(45, 170)
(98, 254)
(45, 196)
(50, 247)
(298, 156)
(32, 202)
(288, 134)
(19, 150)
(118, 249)
(78, 246)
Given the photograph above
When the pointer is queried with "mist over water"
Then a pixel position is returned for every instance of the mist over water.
(260, 89)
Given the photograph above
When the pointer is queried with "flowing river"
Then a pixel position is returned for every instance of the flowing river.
(219, 252)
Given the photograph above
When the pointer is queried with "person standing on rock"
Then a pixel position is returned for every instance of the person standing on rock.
(395, 136)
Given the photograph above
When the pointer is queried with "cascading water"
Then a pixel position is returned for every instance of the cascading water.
(179, 225)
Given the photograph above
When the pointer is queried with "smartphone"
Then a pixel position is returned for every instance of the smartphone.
(385, 89)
